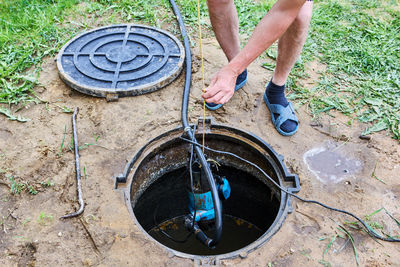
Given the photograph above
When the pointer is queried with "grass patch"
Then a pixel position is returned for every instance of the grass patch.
(350, 237)
(18, 187)
(12, 117)
(373, 174)
(44, 219)
(383, 225)
(374, 225)
(29, 31)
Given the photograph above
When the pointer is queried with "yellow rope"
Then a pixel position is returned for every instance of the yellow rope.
(202, 70)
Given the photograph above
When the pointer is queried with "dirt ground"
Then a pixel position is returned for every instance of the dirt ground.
(105, 235)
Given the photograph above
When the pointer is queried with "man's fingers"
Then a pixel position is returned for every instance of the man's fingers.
(216, 98)
(219, 91)
(210, 92)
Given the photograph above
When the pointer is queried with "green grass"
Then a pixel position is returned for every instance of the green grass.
(29, 31)
(350, 237)
(357, 40)
(44, 219)
(17, 187)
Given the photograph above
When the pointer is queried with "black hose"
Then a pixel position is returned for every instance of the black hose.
(188, 129)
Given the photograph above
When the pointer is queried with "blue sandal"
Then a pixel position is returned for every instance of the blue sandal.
(240, 82)
(285, 113)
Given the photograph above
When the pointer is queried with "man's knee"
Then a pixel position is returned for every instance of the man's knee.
(302, 21)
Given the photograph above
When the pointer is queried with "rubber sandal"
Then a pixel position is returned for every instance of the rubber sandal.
(285, 113)
(240, 82)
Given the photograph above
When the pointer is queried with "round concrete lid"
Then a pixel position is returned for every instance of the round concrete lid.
(121, 60)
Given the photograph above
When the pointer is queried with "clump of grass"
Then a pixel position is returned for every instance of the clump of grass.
(374, 225)
(44, 219)
(12, 117)
(17, 187)
(31, 189)
(62, 141)
(373, 174)
(348, 236)
(47, 183)
(84, 173)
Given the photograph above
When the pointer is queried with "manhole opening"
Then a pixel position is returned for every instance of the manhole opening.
(248, 213)
(158, 193)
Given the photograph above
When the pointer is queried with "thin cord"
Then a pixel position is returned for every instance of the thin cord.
(367, 227)
(191, 180)
(202, 70)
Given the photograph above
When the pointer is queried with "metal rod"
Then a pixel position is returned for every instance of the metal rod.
(77, 170)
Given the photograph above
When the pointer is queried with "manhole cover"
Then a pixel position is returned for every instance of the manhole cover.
(121, 60)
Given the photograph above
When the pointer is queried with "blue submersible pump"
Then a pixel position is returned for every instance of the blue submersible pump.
(201, 206)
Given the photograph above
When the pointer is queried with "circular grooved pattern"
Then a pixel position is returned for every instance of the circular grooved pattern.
(121, 60)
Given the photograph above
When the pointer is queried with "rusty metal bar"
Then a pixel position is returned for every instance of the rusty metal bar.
(77, 170)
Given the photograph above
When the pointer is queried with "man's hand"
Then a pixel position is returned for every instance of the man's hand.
(222, 86)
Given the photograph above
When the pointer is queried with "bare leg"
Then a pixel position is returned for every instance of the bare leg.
(289, 48)
(291, 43)
(225, 23)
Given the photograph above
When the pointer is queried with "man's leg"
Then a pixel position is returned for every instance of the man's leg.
(291, 43)
(289, 48)
(225, 23)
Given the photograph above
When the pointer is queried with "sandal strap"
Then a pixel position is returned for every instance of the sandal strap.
(285, 113)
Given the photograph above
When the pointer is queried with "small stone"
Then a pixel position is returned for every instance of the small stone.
(365, 137)
(59, 234)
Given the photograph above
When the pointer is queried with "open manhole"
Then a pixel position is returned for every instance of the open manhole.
(121, 60)
(157, 197)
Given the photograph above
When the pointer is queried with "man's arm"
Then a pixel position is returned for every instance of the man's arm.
(268, 30)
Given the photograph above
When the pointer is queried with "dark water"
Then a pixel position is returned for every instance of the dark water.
(236, 234)
(251, 200)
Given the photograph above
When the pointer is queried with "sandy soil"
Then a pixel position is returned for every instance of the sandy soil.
(105, 234)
